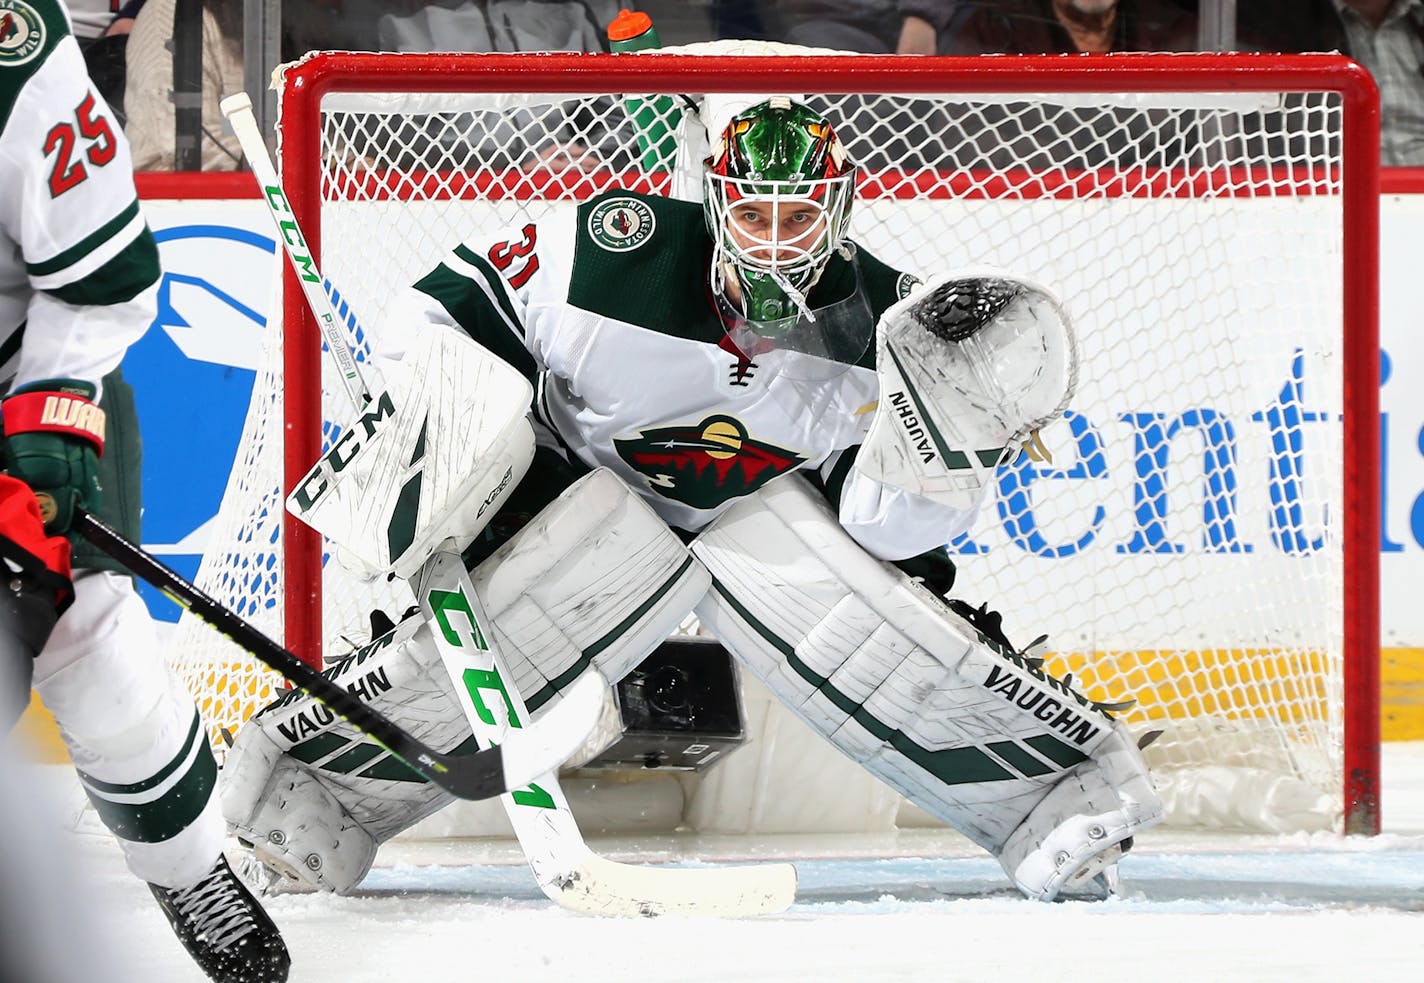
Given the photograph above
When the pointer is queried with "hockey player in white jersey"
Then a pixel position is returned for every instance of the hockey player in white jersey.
(815, 426)
(79, 275)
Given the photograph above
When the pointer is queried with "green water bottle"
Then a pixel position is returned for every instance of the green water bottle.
(655, 118)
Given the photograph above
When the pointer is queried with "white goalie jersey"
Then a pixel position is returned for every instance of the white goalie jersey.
(607, 311)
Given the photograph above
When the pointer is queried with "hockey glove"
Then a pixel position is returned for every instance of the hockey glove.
(54, 434)
(34, 590)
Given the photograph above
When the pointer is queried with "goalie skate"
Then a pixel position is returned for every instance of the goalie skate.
(224, 928)
(1099, 878)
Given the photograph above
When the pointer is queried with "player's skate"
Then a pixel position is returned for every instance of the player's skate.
(225, 929)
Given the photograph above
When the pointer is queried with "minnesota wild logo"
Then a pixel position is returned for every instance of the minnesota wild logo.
(621, 224)
(706, 464)
(22, 32)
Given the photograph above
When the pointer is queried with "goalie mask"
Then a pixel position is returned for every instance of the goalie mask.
(777, 197)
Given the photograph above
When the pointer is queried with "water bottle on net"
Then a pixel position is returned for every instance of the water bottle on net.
(655, 117)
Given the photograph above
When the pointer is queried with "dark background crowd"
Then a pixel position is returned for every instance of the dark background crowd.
(130, 43)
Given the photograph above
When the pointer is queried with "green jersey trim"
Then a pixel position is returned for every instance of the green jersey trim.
(10, 347)
(480, 308)
(140, 812)
(67, 258)
(659, 281)
(121, 279)
(492, 278)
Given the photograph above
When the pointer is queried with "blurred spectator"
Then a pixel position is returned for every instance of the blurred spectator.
(102, 29)
(330, 25)
(870, 26)
(494, 25)
(1037, 134)
(94, 19)
(124, 20)
(925, 26)
(1385, 36)
(149, 89)
(556, 139)
(1066, 26)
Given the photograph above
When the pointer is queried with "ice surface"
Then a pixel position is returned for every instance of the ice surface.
(920, 905)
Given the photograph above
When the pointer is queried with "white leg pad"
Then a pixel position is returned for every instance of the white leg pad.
(597, 577)
(895, 680)
(595, 582)
(316, 795)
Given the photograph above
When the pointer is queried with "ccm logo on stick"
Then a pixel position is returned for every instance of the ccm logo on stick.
(344, 451)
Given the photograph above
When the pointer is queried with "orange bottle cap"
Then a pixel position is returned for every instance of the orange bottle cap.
(629, 24)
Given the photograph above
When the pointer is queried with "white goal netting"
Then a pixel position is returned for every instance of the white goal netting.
(1185, 547)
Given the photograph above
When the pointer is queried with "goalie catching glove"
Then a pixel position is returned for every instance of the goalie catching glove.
(54, 434)
(970, 366)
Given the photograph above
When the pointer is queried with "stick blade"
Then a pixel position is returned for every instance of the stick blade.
(599, 886)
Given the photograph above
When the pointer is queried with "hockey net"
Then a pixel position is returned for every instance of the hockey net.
(1202, 539)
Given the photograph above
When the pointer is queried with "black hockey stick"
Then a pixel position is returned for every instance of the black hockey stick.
(525, 754)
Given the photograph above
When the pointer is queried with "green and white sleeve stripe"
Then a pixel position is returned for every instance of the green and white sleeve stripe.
(476, 297)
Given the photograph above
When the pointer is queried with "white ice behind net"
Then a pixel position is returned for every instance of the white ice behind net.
(1184, 547)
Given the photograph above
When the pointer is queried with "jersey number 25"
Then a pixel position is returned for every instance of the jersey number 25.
(64, 137)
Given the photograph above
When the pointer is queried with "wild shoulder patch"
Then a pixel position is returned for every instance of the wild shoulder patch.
(906, 285)
(22, 33)
(621, 224)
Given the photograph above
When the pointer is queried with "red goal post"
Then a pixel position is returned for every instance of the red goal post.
(1225, 177)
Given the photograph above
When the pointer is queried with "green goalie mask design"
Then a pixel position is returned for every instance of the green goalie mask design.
(777, 196)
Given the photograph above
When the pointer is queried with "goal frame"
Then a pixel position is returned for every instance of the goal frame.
(305, 83)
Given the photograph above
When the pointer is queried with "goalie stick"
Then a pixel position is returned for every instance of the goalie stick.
(566, 869)
(483, 775)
